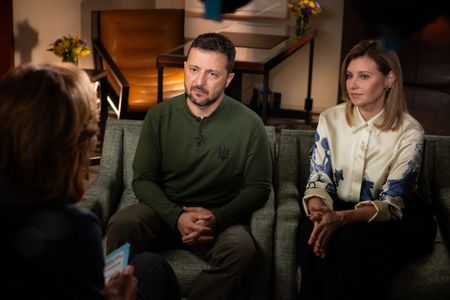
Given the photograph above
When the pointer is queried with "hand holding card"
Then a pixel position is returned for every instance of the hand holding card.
(116, 261)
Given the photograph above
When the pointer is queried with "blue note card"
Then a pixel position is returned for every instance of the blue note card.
(116, 261)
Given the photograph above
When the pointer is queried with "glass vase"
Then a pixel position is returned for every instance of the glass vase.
(70, 59)
(301, 26)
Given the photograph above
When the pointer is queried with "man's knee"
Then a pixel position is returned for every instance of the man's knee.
(237, 247)
(127, 218)
(126, 225)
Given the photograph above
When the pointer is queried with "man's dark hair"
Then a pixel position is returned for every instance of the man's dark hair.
(218, 43)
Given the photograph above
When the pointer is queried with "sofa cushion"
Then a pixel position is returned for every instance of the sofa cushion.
(186, 272)
(425, 278)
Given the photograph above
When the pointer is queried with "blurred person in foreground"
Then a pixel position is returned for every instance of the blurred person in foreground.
(51, 249)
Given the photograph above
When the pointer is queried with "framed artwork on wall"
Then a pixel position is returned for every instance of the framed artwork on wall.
(255, 9)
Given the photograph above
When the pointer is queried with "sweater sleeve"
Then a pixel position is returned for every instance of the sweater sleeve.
(147, 176)
(256, 185)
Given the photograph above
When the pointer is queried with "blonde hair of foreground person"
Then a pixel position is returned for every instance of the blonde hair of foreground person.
(48, 126)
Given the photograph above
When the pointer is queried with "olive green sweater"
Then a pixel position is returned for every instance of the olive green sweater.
(221, 162)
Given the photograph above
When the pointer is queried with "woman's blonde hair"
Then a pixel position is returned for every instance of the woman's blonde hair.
(386, 61)
(48, 121)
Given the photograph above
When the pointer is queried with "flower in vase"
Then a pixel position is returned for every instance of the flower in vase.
(302, 10)
(70, 48)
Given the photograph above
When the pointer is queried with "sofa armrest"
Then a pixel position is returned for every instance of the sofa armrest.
(286, 231)
(293, 171)
(262, 225)
(437, 156)
(287, 217)
(443, 213)
(103, 195)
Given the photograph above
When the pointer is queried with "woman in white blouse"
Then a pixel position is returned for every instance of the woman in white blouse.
(364, 215)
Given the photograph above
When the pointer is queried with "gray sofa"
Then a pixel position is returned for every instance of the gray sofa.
(426, 278)
(275, 228)
(112, 190)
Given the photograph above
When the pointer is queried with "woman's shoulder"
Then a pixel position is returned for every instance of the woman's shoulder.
(54, 249)
(82, 218)
(78, 212)
(338, 109)
(333, 114)
(410, 130)
(62, 216)
(410, 123)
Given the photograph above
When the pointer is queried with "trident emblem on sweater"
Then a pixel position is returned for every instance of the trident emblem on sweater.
(223, 153)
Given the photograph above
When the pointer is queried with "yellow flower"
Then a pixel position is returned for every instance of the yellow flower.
(70, 48)
(304, 8)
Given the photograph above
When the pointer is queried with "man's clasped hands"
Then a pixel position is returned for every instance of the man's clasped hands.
(196, 225)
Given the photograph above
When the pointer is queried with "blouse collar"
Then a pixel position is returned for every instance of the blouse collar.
(359, 121)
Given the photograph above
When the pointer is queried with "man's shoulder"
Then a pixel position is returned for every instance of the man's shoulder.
(167, 105)
(166, 108)
(242, 113)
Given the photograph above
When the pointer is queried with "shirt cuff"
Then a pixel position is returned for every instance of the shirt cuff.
(316, 192)
(385, 211)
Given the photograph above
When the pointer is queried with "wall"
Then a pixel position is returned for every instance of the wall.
(290, 77)
(39, 23)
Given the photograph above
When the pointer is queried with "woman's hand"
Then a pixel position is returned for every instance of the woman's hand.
(326, 223)
(121, 286)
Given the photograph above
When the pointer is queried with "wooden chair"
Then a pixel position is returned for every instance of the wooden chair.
(125, 44)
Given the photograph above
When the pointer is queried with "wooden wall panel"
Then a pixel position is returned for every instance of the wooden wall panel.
(6, 36)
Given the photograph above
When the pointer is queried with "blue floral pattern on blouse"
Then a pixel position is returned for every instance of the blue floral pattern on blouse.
(325, 167)
(404, 186)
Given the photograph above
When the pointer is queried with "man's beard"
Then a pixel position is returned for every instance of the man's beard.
(204, 103)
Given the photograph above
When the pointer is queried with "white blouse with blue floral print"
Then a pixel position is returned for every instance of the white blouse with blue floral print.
(364, 165)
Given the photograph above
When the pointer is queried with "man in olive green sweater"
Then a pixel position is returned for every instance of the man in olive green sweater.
(202, 167)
